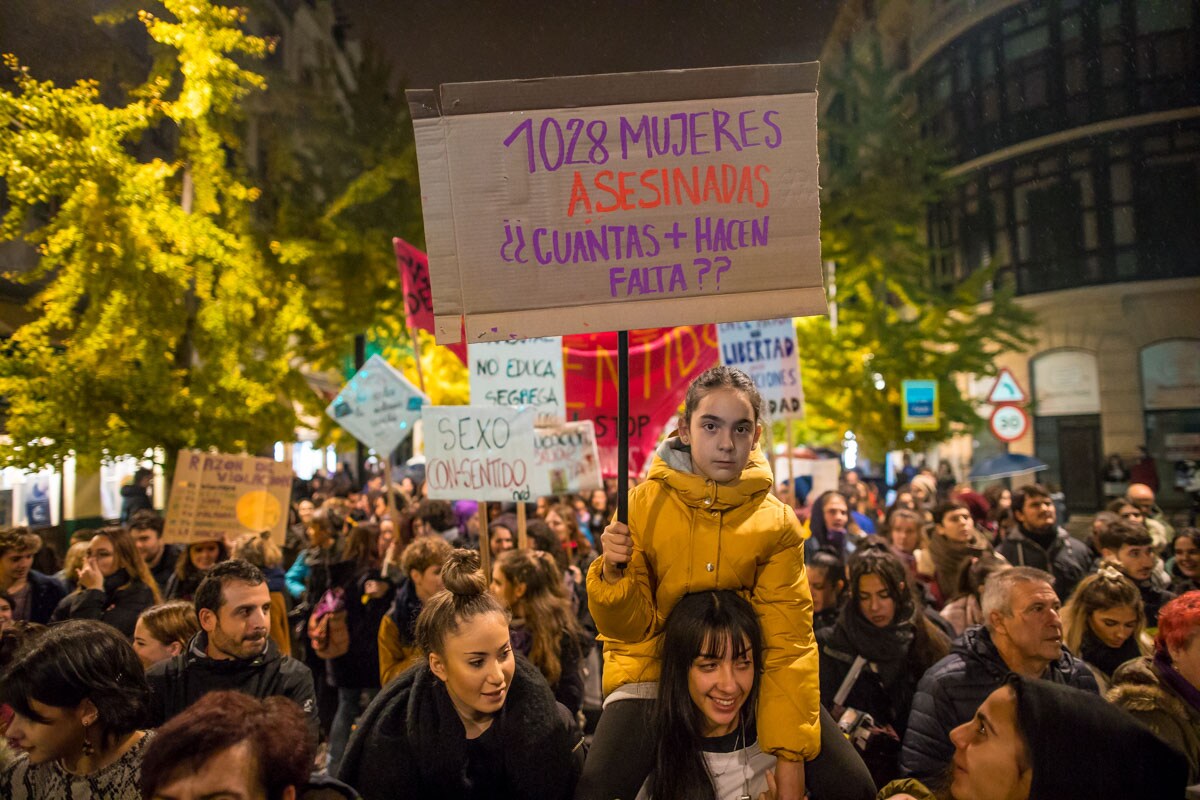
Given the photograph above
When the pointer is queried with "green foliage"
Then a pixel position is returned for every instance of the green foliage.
(893, 322)
(161, 323)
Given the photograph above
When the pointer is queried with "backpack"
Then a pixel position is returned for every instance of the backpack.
(328, 633)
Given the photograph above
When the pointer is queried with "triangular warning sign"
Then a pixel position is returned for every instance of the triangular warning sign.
(1006, 390)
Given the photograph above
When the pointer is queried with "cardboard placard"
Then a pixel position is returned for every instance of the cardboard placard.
(766, 351)
(216, 496)
(378, 406)
(524, 372)
(567, 459)
(614, 202)
(480, 453)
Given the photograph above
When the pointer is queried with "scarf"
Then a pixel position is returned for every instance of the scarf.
(1105, 658)
(949, 556)
(887, 648)
(406, 607)
(115, 581)
(1178, 684)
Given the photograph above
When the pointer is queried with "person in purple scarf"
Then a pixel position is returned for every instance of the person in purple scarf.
(1163, 690)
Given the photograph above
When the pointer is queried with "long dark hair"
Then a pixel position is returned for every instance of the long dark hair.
(929, 644)
(75, 661)
(700, 625)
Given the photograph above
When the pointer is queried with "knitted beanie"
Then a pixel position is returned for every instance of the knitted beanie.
(1082, 747)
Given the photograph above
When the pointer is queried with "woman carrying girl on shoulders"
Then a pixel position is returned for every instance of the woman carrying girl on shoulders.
(705, 519)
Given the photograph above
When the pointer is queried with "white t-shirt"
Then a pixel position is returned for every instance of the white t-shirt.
(737, 769)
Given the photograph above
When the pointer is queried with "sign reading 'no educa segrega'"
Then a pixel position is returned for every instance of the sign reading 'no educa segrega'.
(766, 351)
(613, 202)
(378, 406)
(524, 372)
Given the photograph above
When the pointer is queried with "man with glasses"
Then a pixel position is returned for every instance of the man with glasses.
(1022, 634)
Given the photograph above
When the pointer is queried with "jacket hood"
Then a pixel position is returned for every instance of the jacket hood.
(197, 653)
(673, 466)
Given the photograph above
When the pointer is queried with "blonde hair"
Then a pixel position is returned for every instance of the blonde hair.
(1108, 588)
(73, 560)
(258, 549)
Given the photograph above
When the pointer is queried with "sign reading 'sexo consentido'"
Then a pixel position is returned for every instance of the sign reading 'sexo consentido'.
(609, 202)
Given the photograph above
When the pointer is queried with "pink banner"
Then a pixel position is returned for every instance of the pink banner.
(418, 298)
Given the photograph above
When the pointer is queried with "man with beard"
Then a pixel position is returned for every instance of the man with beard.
(232, 649)
(1040, 543)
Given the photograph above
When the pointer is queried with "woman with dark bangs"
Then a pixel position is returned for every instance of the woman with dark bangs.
(704, 714)
(79, 697)
(704, 723)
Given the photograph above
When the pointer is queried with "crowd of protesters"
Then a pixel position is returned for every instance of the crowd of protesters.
(729, 641)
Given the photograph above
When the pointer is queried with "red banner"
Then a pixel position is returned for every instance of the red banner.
(662, 364)
(418, 298)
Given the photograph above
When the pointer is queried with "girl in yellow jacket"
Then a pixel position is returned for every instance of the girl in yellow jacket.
(704, 519)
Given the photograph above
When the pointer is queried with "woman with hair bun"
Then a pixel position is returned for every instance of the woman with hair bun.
(79, 701)
(472, 720)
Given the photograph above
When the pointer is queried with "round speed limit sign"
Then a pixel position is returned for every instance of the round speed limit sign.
(1009, 423)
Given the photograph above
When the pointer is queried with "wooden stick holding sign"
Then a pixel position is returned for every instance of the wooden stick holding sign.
(522, 528)
(485, 543)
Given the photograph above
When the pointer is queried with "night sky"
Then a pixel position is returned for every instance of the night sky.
(432, 42)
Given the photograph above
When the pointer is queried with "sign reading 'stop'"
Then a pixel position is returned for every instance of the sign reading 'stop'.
(609, 202)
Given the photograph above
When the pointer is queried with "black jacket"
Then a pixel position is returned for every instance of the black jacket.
(165, 568)
(411, 743)
(46, 594)
(180, 681)
(1068, 559)
(134, 498)
(359, 667)
(118, 604)
(954, 688)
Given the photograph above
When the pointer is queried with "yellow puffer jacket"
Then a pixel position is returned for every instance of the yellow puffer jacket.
(691, 534)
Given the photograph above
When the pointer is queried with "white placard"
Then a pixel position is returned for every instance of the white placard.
(766, 351)
(568, 461)
(522, 372)
(480, 453)
(378, 406)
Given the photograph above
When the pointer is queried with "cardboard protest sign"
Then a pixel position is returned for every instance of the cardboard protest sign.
(219, 496)
(613, 202)
(766, 351)
(524, 372)
(480, 453)
(662, 364)
(566, 459)
(378, 406)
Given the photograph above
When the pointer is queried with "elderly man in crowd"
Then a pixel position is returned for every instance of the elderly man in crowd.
(1022, 634)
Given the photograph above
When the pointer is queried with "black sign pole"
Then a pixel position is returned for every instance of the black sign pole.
(623, 426)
